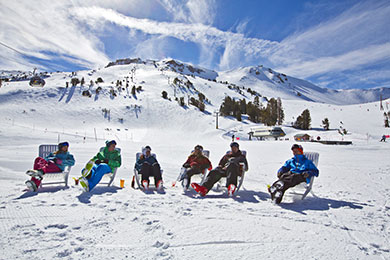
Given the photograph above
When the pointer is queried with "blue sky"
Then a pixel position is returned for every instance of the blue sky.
(334, 44)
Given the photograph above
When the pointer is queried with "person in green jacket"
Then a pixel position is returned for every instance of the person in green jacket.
(106, 161)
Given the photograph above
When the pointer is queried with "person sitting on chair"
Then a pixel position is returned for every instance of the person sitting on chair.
(229, 166)
(106, 161)
(54, 162)
(195, 164)
(147, 165)
(294, 171)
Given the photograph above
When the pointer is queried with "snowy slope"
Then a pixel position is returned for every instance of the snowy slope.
(347, 219)
(271, 83)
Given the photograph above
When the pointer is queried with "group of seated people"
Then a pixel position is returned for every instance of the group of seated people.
(295, 171)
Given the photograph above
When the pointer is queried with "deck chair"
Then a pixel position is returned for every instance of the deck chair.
(202, 175)
(240, 177)
(137, 174)
(306, 187)
(53, 177)
(108, 178)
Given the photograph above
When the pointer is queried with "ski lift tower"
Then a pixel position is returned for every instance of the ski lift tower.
(216, 113)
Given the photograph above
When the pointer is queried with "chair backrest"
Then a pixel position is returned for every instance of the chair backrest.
(117, 149)
(242, 151)
(312, 156)
(205, 153)
(46, 149)
(138, 155)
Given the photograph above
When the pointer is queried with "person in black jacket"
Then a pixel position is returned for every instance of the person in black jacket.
(229, 166)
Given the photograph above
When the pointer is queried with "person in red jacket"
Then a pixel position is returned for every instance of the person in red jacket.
(195, 164)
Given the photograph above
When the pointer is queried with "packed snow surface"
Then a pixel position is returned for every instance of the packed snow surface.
(346, 218)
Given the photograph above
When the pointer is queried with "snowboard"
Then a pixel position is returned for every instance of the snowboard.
(87, 169)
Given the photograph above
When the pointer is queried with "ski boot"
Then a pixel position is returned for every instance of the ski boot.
(31, 186)
(231, 190)
(199, 189)
(145, 185)
(159, 185)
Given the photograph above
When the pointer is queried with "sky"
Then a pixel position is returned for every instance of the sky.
(339, 44)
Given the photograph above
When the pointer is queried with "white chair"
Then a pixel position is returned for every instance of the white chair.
(111, 175)
(53, 177)
(137, 174)
(306, 187)
(241, 176)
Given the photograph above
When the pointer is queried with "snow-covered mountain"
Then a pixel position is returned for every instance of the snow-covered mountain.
(274, 84)
(265, 81)
(346, 219)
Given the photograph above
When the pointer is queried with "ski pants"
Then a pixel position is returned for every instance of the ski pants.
(191, 172)
(97, 173)
(231, 173)
(41, 164)
(290, 180)
(148, 170)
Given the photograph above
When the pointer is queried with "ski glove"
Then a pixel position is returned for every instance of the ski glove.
(98, 162)
(186, 165)
(306, 174)
(105, 161)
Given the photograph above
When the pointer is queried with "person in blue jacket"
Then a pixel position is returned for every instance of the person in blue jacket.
(294, 171)
(147, 165)
(54, 162)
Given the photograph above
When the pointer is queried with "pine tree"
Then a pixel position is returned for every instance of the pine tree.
(243, 106)
(75, 81)
(303, 121)
(280, 112)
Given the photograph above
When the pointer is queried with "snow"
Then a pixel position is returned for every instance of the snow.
(348, 218)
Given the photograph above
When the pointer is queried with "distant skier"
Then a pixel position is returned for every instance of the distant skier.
(105, 162)
(54, 162)
(383, 138)
(147, 165)
(195, 164)
(229, 166)
(294, 171)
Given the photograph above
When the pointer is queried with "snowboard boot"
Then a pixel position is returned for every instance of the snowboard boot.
(185, 183)
(36, 174)
(159, 185)
(231, 190)
(278, 196)
(199, 189)
(31, 186)
(277, 187)
(145, 185)
(84, 183)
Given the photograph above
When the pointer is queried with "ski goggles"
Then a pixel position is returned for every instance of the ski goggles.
(60, 145)
(199, 147)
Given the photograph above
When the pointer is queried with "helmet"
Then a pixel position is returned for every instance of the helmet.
(199, 147)
(60, 145)
(235, 144)
(297, 146)
(108, 143)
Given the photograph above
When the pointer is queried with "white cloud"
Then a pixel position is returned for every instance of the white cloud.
(45, 26)
(355, 38)
(347, 61)
(197, 33)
